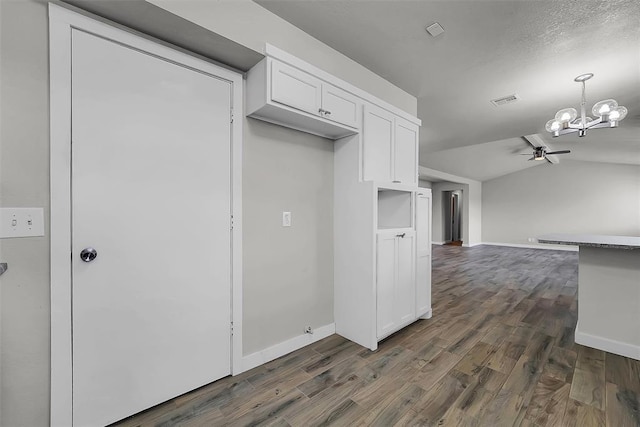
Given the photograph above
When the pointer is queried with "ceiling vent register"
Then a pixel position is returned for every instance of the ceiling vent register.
(505, 100)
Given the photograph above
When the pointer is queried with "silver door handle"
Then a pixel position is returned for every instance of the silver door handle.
(88, 254)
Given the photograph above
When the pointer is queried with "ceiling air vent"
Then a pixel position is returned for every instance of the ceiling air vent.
(505, 100)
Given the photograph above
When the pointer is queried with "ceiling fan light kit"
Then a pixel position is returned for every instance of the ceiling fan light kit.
(607, 114)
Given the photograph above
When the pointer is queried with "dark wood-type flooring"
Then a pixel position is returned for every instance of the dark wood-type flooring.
(499, 351)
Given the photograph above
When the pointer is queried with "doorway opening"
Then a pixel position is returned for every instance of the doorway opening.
(452, 205)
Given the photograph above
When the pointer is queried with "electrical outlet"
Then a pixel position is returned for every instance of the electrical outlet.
(286, 219)
(532, 240)
(308, 330)
(21, 222)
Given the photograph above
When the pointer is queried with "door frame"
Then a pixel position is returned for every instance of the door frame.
(61, 23)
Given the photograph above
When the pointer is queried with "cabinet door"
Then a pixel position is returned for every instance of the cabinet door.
(423, 247)
(385, 284)
(405, 152)
(295, 88)
(405, 293)
(339, 106)
(377, 145)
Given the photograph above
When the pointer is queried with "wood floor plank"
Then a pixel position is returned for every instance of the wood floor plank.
(578, 414)
(549, 401)
(623, 406)
(588, 387)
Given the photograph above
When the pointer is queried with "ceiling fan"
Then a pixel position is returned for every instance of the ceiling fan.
(541, 153)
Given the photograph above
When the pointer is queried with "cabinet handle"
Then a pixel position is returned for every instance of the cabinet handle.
(327, 113)
(397, 182)
(401, 235)
(321, 111)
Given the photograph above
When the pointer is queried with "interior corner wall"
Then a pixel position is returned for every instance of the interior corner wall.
(422, 183)
(569, 197)
(287, 271)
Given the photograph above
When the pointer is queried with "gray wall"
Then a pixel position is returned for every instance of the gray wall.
(570, 197)
(24, 181)
(424, 183)
(288, 271)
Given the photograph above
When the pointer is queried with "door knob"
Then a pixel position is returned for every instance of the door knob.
(88, 254)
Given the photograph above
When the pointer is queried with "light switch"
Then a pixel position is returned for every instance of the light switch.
(286, 219)
(21, 222)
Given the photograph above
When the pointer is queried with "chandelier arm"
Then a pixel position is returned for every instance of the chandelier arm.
(583, 112)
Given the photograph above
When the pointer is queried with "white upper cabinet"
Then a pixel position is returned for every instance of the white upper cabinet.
(340, 106)
(377, 144)
(288, 96)
(295, 88)
(390, 147)
(406, 152)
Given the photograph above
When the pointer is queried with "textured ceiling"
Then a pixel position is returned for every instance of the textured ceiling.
(491, 49)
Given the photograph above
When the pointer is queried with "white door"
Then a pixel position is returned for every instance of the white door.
(295, 88)
(151, 194)
(339, 106)
(406, 152)
(405, 307)
(386, 271)
(423, 245)
(378, 144)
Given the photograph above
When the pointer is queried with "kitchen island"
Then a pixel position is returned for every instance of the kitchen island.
(608, 291)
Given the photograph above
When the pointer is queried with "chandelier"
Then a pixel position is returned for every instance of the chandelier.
(607, 115)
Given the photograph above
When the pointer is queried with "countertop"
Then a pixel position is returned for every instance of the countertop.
(594, 240)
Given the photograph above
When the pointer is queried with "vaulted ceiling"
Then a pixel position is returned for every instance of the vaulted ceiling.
(491, 49)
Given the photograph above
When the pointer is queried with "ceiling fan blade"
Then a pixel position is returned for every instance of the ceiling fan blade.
(559, 152)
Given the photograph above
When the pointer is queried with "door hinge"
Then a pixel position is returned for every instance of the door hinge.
(231, 328)
(232, 115)
(231, 222)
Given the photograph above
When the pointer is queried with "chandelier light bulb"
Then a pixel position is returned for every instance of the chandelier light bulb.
(618, 113)
(553, 125)
(603, 108)
(566, 115)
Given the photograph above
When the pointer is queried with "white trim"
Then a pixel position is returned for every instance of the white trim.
(471, 245)
(437, 243)
(268, 354)
(541, 246)
(606, 344)
(427, 315)
(279, 54)
(61, 22)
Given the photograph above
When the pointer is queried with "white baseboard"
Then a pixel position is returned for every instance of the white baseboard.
(427, 315)
(609, 345)
(470, 245)
(539, 246)
(268, 354)
(438, 243)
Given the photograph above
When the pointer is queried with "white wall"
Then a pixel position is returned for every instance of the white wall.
(570, 197)
(288, 272)
(251, 25)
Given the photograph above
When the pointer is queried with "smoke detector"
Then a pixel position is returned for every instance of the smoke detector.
(435, 29)
(505, 100)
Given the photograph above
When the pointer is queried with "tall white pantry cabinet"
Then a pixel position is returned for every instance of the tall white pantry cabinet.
(382, 220)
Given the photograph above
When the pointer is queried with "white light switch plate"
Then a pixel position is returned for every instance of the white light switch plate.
(21, 222)
(286, 219)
